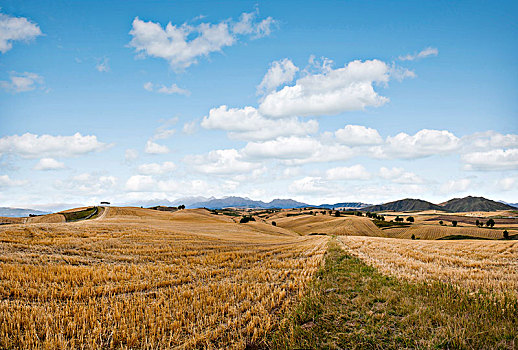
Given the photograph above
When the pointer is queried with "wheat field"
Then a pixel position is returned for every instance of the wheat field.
(138, 278)
(489, 266)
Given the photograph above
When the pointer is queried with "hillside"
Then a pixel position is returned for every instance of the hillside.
(348, 205)
(470, 203)
(407, 204)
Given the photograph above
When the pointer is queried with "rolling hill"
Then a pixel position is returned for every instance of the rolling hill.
(240, 202)
(19, 212)
(407, 204)
(470, 203)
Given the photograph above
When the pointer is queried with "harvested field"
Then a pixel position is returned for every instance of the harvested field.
(136, 279)
(328, 224)
(472, 220)
(437, 231)
(50, 218)
(490, 266)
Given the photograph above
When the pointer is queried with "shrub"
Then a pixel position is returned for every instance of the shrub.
(410, 219)
(274, 223)
(454, 223)
(413, 236)
(337, 213)
(506, 234)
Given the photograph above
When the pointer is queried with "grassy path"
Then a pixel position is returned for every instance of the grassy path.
(352, 306)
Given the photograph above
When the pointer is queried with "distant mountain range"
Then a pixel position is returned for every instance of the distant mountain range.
(468, 203)
(19, 212)
(240, 202)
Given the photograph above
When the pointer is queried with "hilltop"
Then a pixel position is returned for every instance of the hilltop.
(407, 204)
(470, 203)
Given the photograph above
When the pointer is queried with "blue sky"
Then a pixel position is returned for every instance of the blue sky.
(317, 101)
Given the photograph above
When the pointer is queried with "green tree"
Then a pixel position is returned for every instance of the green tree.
(413, 236)
(477, 222)
(454, 223)
(410, 219)
(441, 222)
(274, 223)
(506, 234)
(490, 223)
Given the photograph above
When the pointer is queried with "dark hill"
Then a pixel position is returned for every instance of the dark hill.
(407, 204)
(470, 203)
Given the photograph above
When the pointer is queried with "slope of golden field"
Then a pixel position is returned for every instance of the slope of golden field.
(49, 218)
(140, 278)
(491, 266)
(328, 224)
(438, 231)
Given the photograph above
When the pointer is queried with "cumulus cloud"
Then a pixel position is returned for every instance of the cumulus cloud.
(423, 144)
(222, 162)
(182, 45)
(156, 168)
(429, 51)
(6, 181)
(282, 148)
(358, 135)
(167, 90)
(498, 159)
(454, 186)
(16, 29)
(139, 183)
(34, 146)
(103, 66)
(155, 148)
(49, 164)
(355, 172)
(248, 124)
(21, 82)
(399, 175)
(279, 73)
(490, 140)
(330, 92)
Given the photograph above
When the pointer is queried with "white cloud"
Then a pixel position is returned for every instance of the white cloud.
(490, 139)
(355, 172)
(189, 128)
(15, 29)
(507, 183)
(279, 73)
(248, 124)
(103, 66)
(282, 148)
(148, 86)
(155, 148)
(247, 25)
(182, 45)
(308, 185)
(429, 51)
(139, 183)
(34, 146)
(499, 159)
(225, 161)
(130, 155)
(358, 135)
(88, 183)
(21, 82)
(399, 175)
(49, 164)
(6, 181)
(167, 90)
(454, 186)
(156, 168)
(330, 92)
(423, 144)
